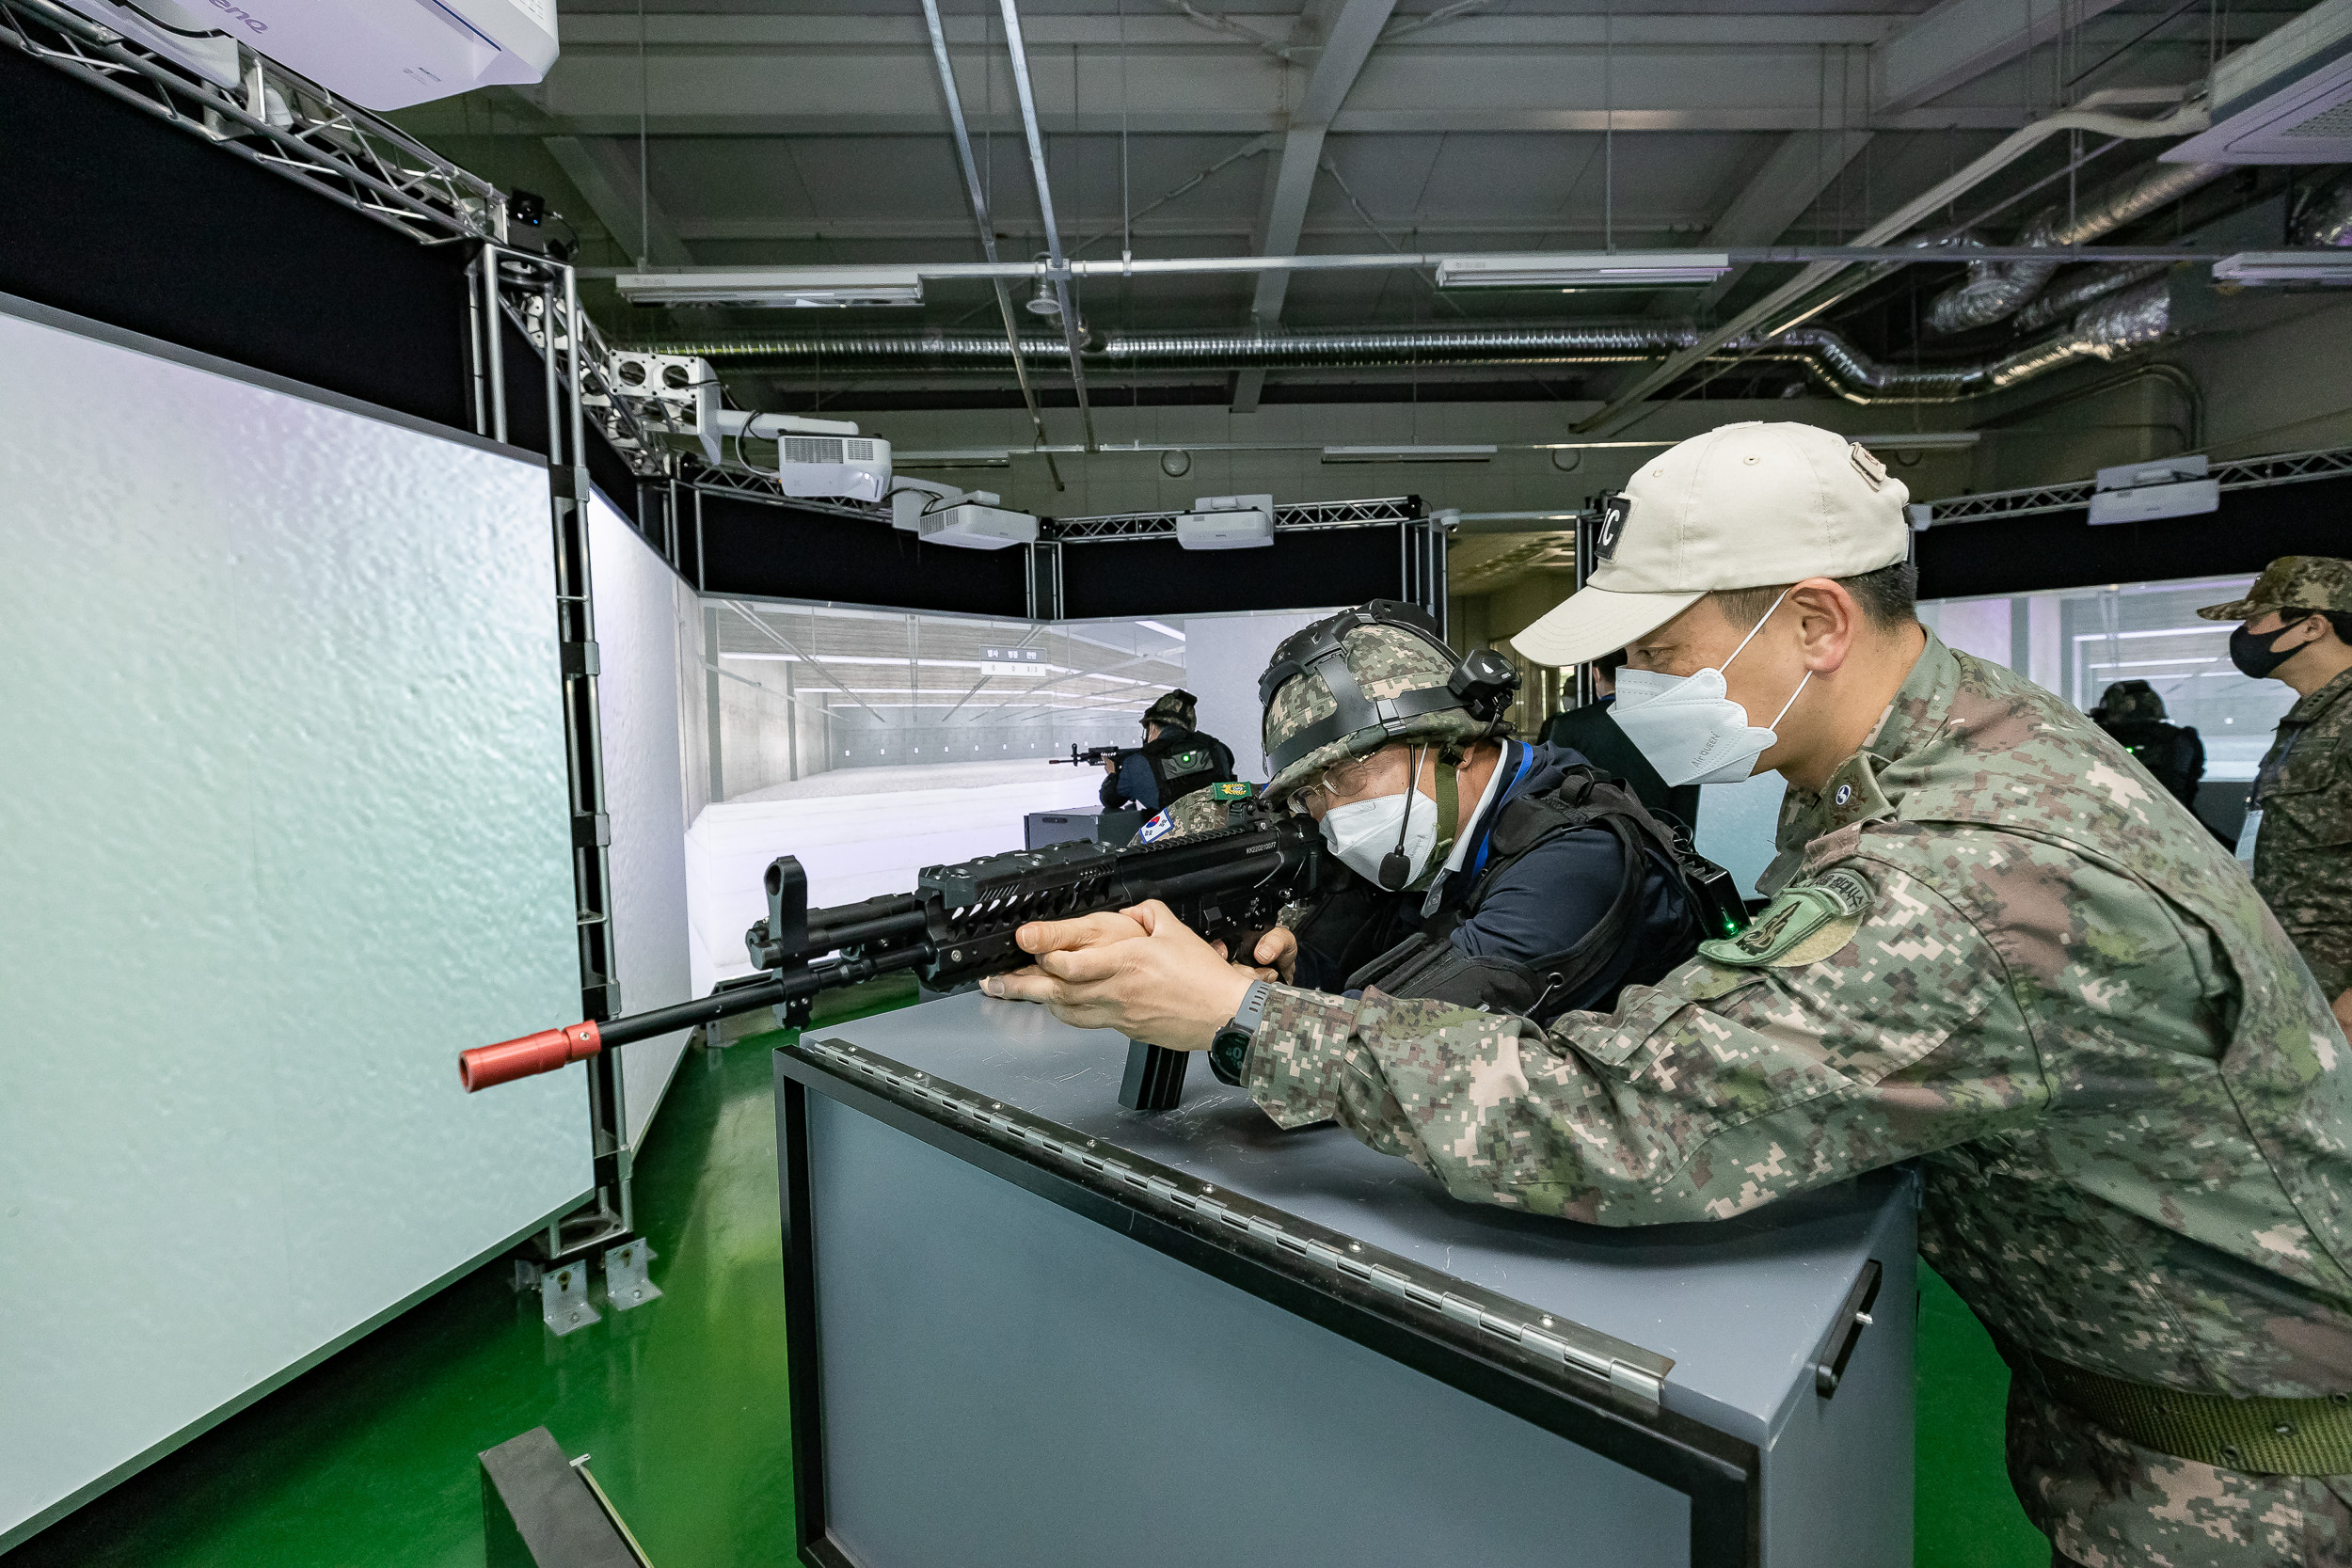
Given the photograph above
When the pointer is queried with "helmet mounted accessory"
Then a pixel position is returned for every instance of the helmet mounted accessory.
(1480, 685)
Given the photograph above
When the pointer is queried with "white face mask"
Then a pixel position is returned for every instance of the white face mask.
(1688, 726)
(1364, 834)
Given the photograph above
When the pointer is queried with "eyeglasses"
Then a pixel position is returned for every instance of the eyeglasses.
(1344, 781)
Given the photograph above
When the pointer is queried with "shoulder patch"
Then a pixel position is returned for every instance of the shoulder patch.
(1231, 791)
(1155, 830)
(1805, 925)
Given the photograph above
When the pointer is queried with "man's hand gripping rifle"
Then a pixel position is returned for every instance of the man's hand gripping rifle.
(958, 924)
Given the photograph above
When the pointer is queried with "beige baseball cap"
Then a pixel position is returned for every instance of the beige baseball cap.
(1745, 505)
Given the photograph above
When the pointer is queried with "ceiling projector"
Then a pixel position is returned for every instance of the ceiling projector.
(1227, 523)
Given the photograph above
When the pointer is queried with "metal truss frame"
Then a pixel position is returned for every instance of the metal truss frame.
(750, 485)
(308, 134)
(2236, 473)
(1302, 517)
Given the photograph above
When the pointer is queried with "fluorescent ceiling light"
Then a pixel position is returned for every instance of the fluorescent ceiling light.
(1632, 269)
(977, 457)
(1408, 454)
(1163, 628)
(807, 287)
(2256, 267)
(1934, 441)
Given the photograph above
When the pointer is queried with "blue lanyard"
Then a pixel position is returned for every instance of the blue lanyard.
(1485, 841)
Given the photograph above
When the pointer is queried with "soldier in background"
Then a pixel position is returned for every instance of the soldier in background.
(1994, 948)
(1589, 731)
(1174, 760)
(2132, 713)
(2299, 826)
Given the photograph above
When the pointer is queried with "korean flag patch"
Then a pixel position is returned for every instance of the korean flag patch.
(1157, 828)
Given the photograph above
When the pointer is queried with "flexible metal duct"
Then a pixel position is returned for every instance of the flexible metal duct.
(2326, 218)
(1995, 289)
(2080, 286)
(2110, 328)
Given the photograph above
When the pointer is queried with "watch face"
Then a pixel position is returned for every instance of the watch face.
(1228, 1053)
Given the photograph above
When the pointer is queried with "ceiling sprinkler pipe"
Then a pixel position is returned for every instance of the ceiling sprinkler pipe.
(1997, 290)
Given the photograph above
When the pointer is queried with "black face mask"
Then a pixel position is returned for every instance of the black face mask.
(2257, 656)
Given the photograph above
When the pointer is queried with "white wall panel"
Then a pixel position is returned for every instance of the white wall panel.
(858, 832)
(637, 692)
(283, 828)
(1224, 655)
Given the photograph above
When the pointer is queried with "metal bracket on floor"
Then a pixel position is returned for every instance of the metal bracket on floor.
(564, 1297)
(628, 1282)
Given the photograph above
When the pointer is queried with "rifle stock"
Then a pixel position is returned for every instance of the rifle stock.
(959, 924)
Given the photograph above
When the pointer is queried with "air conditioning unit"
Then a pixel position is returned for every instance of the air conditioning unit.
(1227, 523)
(378, 54)
(2143, 492)
(2286, 98)
(673, 393)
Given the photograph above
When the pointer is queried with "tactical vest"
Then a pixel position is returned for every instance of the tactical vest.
(2175, 755)
(1182, 761)
(1427, 964)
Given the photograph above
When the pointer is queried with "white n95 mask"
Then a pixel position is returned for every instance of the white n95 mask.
(1688, 726)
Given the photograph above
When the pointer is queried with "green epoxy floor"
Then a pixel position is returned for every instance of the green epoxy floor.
(368, 1459)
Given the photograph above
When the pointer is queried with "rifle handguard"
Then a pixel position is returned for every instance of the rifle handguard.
(544, 1051)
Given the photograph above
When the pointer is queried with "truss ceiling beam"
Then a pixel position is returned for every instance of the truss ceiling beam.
(1400, 88)
(1959, 41)
(605, 174)
(1349, 30)
(1800, 168)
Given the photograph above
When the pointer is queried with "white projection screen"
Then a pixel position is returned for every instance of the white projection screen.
(639, 603)
(283, 824)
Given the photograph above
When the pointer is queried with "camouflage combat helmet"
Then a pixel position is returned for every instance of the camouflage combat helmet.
(2131, 699)
(1176, 707)
(2291, 583)
(1353, 682)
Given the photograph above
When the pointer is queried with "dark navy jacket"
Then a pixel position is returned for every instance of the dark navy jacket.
(1539, 906)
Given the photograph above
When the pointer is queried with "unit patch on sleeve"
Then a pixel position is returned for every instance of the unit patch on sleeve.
(1233, 791)
(1805, 924)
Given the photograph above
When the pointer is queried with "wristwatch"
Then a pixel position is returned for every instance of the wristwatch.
(1229, 1052)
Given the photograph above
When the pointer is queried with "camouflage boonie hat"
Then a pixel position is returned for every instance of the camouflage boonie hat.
(1387, 661)
(2291, 583)
(2131, 699)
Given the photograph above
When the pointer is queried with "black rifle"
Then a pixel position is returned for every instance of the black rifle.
(1094, 756)
(958, 924)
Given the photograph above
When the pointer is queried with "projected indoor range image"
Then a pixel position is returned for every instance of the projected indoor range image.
(1036, 784)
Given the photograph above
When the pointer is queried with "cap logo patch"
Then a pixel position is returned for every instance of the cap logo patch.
(1865, 463)
(1614, 512)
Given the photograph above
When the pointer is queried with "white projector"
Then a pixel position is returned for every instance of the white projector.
(1227, 523)
(2143, 492)
(974, 526)
(379, 54)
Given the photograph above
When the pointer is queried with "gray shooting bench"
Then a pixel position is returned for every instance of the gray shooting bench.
(1030, 1328)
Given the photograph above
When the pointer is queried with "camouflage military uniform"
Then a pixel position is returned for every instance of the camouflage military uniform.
(2019, 960)
(2303, 854)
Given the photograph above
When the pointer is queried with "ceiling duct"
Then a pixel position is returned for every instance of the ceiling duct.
(2109, 328)
(2083, 286)
(1997, 290)
(2325, 216)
